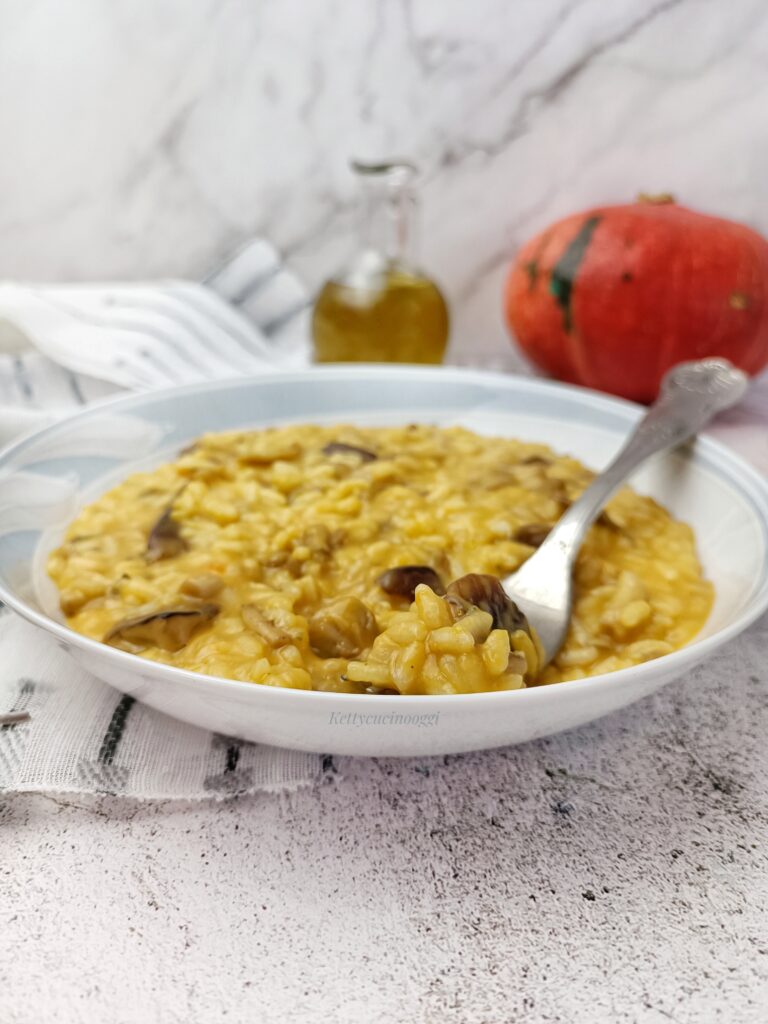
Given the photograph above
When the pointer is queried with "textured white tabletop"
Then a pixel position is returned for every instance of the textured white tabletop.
(617, 873)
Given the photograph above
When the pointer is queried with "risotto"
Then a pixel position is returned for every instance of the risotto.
(336, 558)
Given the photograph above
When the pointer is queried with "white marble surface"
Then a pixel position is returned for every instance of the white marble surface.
(150, 138)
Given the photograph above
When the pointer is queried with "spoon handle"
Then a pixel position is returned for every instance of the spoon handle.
(691, 394)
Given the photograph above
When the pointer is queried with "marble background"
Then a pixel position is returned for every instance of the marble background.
(151, 137)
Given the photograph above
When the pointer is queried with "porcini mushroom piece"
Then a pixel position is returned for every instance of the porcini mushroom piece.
(319, 539)
(169, 629)
(480, 590)
(203, 586)
(403, 580)
(342, 629)
(340, 448)
(255, 619)
(609, 520)
(164, 539)
(532, 534)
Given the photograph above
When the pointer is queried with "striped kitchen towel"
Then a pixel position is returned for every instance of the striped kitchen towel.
(62, 346)
(82, 736)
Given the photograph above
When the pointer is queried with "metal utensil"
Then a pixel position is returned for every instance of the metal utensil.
(691, 394)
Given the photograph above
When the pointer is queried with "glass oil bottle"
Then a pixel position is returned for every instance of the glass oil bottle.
(380, 307)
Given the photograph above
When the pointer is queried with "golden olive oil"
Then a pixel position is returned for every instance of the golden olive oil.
(403, 320)
(380, 307)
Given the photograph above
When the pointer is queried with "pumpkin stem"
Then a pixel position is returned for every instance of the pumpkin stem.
(656, 199)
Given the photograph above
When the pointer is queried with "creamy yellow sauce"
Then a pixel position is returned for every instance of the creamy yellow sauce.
(264, 551)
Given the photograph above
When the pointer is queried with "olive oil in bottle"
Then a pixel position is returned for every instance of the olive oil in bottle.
(380, 307)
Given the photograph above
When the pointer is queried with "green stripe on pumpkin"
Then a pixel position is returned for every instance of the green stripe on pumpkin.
(567, 267)
(532, 266)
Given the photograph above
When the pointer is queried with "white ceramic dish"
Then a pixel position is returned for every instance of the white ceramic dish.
(46, 478)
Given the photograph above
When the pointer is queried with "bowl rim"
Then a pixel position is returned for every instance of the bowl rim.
(720, 458)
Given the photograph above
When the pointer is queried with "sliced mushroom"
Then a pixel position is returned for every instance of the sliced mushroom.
(532, 534)
(403, 580)
(256, 620)
(169, 629)
(164, 539)
(320, 540)
(278, 560)
(494, 479)
(205, 585)
(73, 601)
(479, 590)
(608, 521)
(342, 629)
(340, 448)
(558, 491)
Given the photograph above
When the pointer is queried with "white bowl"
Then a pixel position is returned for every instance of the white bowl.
(46, 478)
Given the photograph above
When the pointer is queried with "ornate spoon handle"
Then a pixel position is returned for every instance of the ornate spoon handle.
(691, 394)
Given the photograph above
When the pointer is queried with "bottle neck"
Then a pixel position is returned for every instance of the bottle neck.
(388, 213)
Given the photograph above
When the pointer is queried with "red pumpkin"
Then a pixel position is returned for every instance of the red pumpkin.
(612, 298)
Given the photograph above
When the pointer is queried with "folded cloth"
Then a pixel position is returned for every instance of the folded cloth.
(84, 737)
(62, 346)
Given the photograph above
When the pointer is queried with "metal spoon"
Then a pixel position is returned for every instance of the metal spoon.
(691, 394)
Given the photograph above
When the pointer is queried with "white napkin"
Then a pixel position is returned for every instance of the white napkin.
(64, 345)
